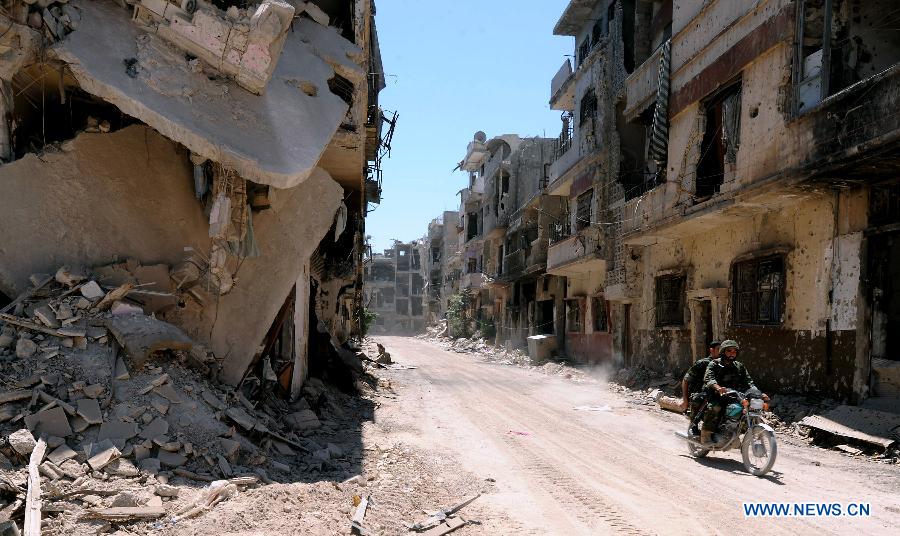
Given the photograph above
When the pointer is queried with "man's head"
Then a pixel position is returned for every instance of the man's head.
(728, 350)
(714, 348)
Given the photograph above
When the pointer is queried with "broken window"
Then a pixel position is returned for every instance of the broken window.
(415, 306)
(584, 50)
(471, 225)
(598, 312)
(583, 212)
(720, 140)
(670, 300)
(416, 260)
(403, 285)
(500, 260)
(402, 306)
(388, 294)
(843, 42)
(759, 291)
(435, 254)
(471, 266)
(588, 107)
(418, 283)
(637, 172)
(403, 260)
(574, 323)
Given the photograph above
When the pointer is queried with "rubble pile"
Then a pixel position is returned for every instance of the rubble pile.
(126, 403)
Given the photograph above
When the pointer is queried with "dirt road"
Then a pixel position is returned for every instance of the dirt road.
(563, 471)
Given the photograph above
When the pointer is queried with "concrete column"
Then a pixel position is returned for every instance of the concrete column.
(301, 332)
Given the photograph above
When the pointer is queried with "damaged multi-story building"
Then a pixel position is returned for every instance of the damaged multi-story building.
(224, 151)
(730, 174)
(395, 291)
(724, 170)
(442, 264)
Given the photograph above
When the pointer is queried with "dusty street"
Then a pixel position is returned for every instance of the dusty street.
(563, 471)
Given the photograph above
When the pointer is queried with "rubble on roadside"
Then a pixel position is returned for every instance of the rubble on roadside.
(127, 404)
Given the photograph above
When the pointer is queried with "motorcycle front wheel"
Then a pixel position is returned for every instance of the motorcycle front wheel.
(759, 450)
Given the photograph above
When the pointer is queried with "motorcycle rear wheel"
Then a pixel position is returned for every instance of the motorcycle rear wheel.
(759, 450)
(693, 449)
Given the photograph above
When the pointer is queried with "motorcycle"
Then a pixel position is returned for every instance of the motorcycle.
(743, 415)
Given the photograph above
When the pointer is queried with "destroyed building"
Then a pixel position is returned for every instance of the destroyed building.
(395, 290)
(442, 264)
(724, 170)
(222, 154)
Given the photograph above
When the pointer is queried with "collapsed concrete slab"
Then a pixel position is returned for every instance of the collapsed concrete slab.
(292, 123)
(142, 336)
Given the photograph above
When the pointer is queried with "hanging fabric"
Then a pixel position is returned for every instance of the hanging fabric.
(731, 125)
(659, 133)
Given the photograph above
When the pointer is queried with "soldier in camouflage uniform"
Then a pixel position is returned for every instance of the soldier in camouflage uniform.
(723, 374)
(692, 386)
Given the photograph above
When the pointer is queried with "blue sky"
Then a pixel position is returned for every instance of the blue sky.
(454, 68)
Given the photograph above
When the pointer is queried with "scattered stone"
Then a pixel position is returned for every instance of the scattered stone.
(52, 421)
(117, 429)
(150, 465)
(303, 420)
(122, 467)
(7, 337)
(93, 390)
(241, 417)
(278, 466)
(224, 466)
(141, 452)
(46, 316)
(167, 391)
(69, 277)
(61, 454)
(230, 448)
(79, 424)
(171, 459)
(101, 454)
(159, 427)
(22, 441)
(89, 410)
(25, 348)
(213, 400)
(160, 405)
(655, 394)
(165, 490)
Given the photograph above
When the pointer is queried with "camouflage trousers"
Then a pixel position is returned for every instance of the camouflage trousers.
(712, 415)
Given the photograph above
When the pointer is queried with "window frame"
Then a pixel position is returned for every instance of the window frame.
(777, 303)
(580, 221)
(657, 300)
(595, 300)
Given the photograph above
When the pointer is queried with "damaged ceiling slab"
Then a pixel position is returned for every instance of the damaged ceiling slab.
(867, 425)
(146, 77)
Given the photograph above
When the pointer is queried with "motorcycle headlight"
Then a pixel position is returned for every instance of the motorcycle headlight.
(756, 403)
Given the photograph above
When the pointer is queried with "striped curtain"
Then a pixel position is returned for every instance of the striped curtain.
(659, 133)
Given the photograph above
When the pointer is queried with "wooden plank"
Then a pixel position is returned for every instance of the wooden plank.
(61, 332)
(25, 295)
(126, 513)
(446, 527)
(33, 497)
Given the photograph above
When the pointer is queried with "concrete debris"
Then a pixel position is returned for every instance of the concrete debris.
(356, 523)
(61, 454)
(90, 291)
(25, 348)
(303, 420)
(69, 277)
(124, 514)
(867, 425)
(165, 490)
(142, 336)
(89, 410)
(52, 421)
(441, 517)
(117, 429)
(171, 459)
(122, 467)
(22, 441)
(101, 454)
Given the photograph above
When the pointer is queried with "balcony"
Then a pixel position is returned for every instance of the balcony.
(641, 86)
(476, 152)
(577, 254)
(536, 261)
(562, 88)
(473, 281)
(514, 265)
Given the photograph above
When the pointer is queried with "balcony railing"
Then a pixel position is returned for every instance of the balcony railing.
(582, 248)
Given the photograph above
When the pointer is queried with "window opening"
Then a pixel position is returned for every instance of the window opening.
(598, 312)
(720, 140)
(759, 291)
(573, 316)
(583, 213)
(670, 300)
(588, 107)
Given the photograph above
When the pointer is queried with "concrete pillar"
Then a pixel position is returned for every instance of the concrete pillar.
(301, 332)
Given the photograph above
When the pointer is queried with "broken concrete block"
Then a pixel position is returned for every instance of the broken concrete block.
(142, 336)
(83, 303)
(93, 391)
(46, 316)
(22, 441)
(170, 446)
(64, 312)
(52, 421)
(79, 424)
(159, 404)
(121, 467)
(54, 441)
(213, 400)
(171, 459)
(303, 420)
(167, 391)
(165, 490)
(25, 348)
(154, 383)
(150, 465)
(125, 500)
(91, 291)
(101, 454)
(241, 417)
(121, 372)
(61, 454)
(655, 394)
(157, 428)
(124, 308)
(70, 277)
(224, 466)
(89, 410)
(7, 337)
(230, 448)
(117, 429)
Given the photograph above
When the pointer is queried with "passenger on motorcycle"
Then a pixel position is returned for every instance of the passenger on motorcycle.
(692, 391)
(721, 375)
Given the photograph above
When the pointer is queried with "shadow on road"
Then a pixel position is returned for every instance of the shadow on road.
(735, 467)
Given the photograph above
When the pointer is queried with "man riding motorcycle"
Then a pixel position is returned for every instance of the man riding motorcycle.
(692, 391)
(721, 375)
